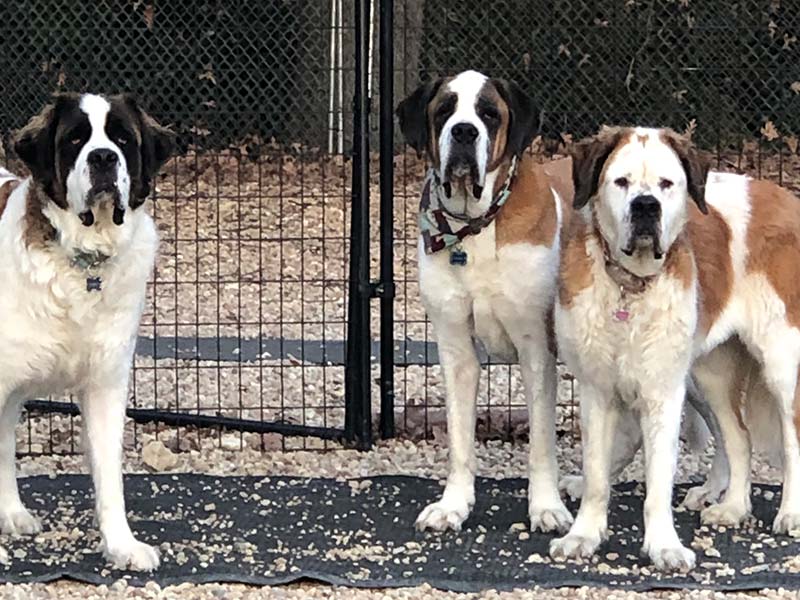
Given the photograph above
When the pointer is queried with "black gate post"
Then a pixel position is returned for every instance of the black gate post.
(358, 405)
(386, 50)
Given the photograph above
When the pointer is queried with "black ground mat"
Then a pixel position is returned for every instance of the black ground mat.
(361, 533)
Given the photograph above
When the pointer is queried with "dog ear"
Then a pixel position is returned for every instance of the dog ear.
(523, 122)
(35, 143)
(588, 158)
(413, 115)
(695, 165)
(158, 144)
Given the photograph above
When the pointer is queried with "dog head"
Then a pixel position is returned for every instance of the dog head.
(468, 125)
(84, 150)
(640, 182)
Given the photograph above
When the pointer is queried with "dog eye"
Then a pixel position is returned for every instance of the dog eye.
(76, 140)
(121, 141)
(665, 184)
(489, 113)
(621, 182)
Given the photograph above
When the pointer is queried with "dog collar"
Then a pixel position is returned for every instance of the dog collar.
(89, 262)
(442, 229)
(627, 282)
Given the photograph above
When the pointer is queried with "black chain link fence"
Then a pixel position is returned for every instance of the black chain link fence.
(246, 311)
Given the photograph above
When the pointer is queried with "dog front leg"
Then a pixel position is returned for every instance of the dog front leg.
(599, 417)
(461, 372)
(546, 510)
(661, 423)
(103, 409)
(15, 519)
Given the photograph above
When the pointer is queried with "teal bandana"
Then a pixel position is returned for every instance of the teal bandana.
(442, 229)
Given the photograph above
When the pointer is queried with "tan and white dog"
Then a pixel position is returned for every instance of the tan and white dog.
(77, 251)
(668, 273)
(491, 222)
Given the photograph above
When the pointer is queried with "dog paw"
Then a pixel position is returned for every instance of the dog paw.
(727, 514)
(132, 555)
(19, 521)
(554, 517)
(572, 486)
(4, 558)
(697, 498)
(443, 515)
(574, 546)
(787, 523)
(670, 558)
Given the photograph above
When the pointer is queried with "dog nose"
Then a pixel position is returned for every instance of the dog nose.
(102, 158)
(645, 207)
(464, 133)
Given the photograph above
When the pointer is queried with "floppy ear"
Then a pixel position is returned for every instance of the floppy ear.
(158, 144)
(523, 123)
(588, 158)
(35, 144)
(695, 165)
(413, 115)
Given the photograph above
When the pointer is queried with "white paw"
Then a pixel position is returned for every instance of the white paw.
(787, 523)
(697, 498)
(728, 514)
(670, 558)
(444, 514)
(133, 555)
(574, 546)
(554, 517)
(572, 486)
(18, 521)
(4, 558)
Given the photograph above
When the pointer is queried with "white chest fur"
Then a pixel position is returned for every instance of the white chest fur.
(500, 292)
(624, 357)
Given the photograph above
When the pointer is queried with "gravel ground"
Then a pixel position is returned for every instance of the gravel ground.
(222, 456)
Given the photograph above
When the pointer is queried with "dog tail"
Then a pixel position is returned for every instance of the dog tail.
(760, 413)
(695, 430)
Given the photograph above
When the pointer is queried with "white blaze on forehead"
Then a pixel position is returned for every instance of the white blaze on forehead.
(466, 86)
(96, 108)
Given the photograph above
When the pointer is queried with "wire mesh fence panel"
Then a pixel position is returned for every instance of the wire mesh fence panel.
(246, 310)
(728, 73)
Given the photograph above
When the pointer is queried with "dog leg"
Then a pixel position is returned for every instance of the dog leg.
(14, 517)
(103, 410)
(628, 440)
(781, 375)
(461, 372)
(546, 510)
(661, 424)
(599, 418)
(717, 379)
(718, 477)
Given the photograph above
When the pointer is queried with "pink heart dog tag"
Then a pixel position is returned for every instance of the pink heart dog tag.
(622, 315)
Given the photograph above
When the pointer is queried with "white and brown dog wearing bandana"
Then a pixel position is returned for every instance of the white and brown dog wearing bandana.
(490, 221)
(665, 273)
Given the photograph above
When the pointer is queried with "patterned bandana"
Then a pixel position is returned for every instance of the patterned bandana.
(442, 229)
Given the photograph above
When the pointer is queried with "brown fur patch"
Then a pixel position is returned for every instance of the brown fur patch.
(575, 273)
(529, 215)
(559, 173)
(5, 193)
(38, 231)
(773, 241)
(680, 263)
(590, 157)
(710, 238)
